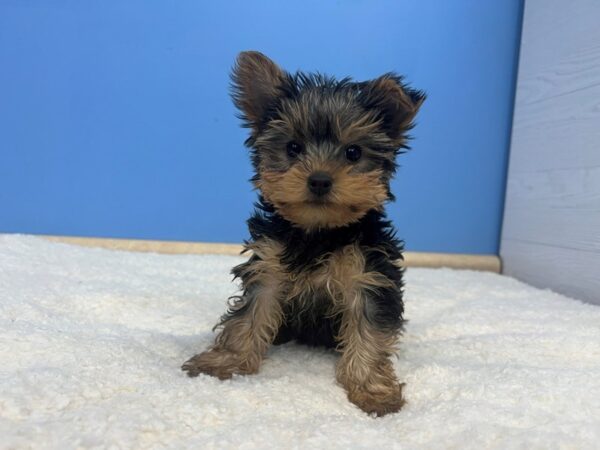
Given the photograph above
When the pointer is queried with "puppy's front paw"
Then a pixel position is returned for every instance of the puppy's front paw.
(216, 363)
(378, 403)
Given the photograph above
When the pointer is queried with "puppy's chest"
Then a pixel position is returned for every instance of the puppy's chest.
(328, 277)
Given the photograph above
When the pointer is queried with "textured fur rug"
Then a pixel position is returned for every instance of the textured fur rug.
(91, 344)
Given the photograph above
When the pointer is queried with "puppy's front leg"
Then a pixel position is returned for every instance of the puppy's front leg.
(251, 324)
(365, 369)
(245, 337)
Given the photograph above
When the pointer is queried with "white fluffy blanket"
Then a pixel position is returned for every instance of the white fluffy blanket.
(91, 343)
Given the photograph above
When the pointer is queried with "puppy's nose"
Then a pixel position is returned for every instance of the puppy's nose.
(320, 183)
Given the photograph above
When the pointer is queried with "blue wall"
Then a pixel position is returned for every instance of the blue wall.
(115, 118)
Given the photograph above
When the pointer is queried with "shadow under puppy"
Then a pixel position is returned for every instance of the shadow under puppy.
(323, 269)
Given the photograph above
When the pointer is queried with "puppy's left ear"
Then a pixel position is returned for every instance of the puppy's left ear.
(255, 86)
(396, 103)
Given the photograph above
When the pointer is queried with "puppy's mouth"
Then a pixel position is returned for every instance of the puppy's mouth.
(319, 202)
(325, 203)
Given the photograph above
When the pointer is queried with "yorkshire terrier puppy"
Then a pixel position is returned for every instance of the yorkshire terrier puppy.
(324, 263)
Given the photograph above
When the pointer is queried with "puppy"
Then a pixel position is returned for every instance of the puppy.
(323, 266)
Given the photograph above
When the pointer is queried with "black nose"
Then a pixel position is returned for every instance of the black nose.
(319, 183)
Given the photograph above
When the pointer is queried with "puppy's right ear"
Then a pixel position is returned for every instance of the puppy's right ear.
(256, 82)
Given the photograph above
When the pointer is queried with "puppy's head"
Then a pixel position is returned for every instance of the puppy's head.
(323, 150)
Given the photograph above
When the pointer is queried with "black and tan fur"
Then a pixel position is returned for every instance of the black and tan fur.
(323, 269)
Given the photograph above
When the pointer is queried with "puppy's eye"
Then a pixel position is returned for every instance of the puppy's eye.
(294, 148)
(353, 153)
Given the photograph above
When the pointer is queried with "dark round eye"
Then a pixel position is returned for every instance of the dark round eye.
(353, 153)
(294, 148)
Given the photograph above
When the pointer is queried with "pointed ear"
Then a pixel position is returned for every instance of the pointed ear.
(396, 103)
(255, 83)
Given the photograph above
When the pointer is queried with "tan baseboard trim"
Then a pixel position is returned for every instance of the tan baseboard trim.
(489, 263)
(140, 245)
